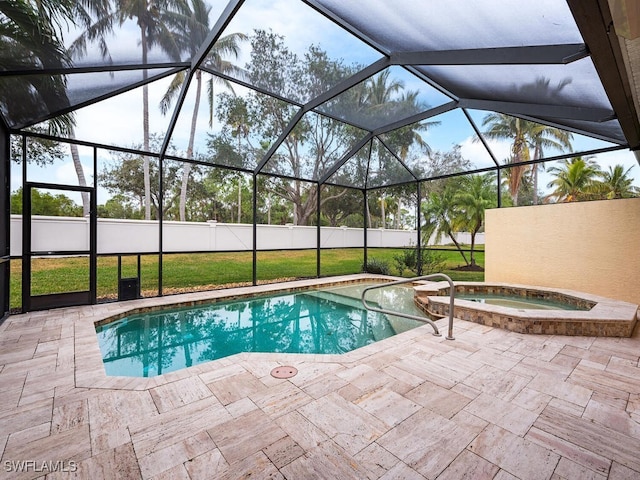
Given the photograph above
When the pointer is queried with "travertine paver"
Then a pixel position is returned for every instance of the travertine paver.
(491, 404)
(428, 442)
(240, 437)
(504, 449)
(350, 426)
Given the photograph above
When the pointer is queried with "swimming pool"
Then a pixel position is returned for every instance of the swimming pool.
(328, 320)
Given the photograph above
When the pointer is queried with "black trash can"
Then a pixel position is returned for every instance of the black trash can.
(129, 288)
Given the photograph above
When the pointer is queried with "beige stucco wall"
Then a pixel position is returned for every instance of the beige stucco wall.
(592, 247)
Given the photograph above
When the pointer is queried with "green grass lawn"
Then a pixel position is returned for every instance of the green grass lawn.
(204, 271)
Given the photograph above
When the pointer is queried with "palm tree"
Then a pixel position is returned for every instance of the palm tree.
(616, 183)
(439, 213)
(525, 136)
(37, 31)
(31, 35)
(506, 127)
(475, 195)
(84, 12)
(65, 125)
(239, 122)
(407, 136)
(379, 90)
(378, 94)
(151, 18)
(190, 26)
(575, 180)
(541, 137)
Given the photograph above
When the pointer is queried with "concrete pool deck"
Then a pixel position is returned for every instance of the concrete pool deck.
(490, 404)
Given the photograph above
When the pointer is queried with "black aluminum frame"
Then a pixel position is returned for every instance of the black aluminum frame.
(5, 222)
(63, 299)
(608, 55)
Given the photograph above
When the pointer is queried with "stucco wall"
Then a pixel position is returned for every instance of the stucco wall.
(592, 247)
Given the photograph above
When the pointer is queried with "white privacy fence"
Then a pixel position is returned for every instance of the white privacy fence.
(51, 234)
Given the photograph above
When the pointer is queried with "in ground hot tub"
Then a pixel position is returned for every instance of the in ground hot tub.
(529, 309)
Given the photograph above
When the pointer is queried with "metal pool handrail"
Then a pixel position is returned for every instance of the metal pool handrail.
(452, 293)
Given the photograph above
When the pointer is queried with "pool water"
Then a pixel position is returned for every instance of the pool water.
(516, 302)
(311, 321)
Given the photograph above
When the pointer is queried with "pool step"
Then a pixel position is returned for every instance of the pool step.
(337, 298)
(398, 324)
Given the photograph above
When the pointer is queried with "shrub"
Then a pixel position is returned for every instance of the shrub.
(406, 260)
(432, 262)
(376, 266)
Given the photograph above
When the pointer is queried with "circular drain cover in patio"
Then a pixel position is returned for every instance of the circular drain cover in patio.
(284, 372)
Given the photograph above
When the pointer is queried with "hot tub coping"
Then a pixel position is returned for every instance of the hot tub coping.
(606, 317)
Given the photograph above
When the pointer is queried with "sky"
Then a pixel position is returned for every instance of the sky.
(118, 121)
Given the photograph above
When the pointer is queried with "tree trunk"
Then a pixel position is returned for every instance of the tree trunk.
(473, 242)
(86, 208)
(268, 210)
(297, 204)
(536, 155)
(514, 183)
(145, 129)
(186, 169)
(382, 212)
(398, 213)
(455, 242)
(239, 198)
(535, 184)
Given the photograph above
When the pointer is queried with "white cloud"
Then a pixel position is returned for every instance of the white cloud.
(477, 153)
(118, 120)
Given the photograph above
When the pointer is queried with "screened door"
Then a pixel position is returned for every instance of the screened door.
(58, 247)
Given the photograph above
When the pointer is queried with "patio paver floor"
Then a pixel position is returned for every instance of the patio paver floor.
(491, 404)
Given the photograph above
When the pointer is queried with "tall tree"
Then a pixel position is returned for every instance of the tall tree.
(541, 138)
(84, 14)
(315, 142)
(506, 127)
(37, 30)
(575, 180)
(124, 177)
(525, 137)
(439, 211)
(151, 18)
(31, 37)
(190, 26)
(239, 123)
(413, 151)
(476, 193)
(617, 183)
(380, 91)
(65, 125)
